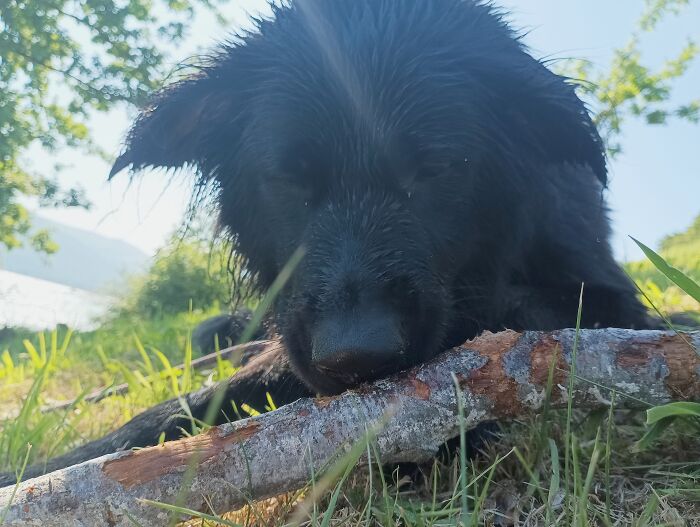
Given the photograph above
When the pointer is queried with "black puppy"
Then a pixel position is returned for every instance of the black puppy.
(439, 180)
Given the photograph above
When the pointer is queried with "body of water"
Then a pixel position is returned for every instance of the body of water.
(39, 304)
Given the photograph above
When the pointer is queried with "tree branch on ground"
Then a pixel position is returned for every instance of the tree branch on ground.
(499, 376)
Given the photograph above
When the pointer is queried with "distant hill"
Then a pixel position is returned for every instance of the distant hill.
(85, 260)
(684, 248)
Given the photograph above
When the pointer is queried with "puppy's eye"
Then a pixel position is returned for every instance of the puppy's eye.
(296, 166)
(443, 168)
(304, 160)
(429, 171)
(293, 183)
(299, 175)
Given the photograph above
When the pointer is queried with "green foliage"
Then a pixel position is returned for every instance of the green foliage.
(685, 245)
(681, 251)
(687, 284)
(15, 222)
(59, 61)
(188, 273)
(67, 366)
(522, 473)
(659, 418)
(631, 88)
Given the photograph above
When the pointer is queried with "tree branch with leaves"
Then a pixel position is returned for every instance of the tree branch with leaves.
(630, 87)
(61, 60)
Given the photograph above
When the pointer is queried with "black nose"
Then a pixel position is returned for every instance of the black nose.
(358, 346)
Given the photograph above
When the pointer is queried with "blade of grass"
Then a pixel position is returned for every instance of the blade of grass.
(478, 505)
(608, 459)
(554, 482)
(279, 282)
(592, 465)
(462, 453)
(675, 409)
(569, 407)
(16, 487)
(676, 276)
(340, 467)
(576, 468)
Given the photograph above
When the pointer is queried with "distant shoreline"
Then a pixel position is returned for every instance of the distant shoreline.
(37, 304)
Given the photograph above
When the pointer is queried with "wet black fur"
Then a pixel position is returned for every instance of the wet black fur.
(434, 173)
(222, 331)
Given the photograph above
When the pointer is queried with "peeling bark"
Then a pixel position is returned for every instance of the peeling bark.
(501, 375)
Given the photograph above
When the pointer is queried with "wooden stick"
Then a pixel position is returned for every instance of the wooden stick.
(500, 376)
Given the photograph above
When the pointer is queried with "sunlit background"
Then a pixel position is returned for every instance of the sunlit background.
(654, 185)
(111, 323)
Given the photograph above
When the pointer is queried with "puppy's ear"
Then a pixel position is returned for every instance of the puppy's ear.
(171, 131)
(568, 130)
(560, 123)
(545, 112)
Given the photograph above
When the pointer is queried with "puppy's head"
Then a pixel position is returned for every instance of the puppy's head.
(393, 144)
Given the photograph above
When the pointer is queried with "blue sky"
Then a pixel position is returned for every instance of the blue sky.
(655, 183)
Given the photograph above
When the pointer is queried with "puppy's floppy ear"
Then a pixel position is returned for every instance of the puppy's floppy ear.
(560, 122)
(545, 110)
(171, 131)
(568, 131)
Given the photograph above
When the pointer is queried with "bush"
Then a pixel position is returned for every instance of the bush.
(188, 273)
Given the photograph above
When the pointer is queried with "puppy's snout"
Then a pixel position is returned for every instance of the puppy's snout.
(359, 346)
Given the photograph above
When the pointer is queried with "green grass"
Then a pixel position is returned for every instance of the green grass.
(62, 366)
(563, 467)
